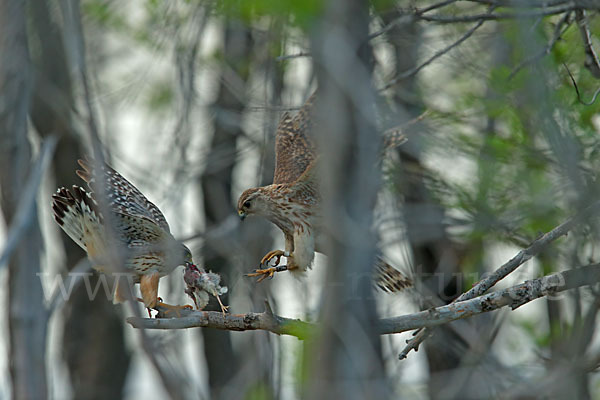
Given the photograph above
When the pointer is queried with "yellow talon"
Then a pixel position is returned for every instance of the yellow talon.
(270, 255)
(266, 273)
(172, 309)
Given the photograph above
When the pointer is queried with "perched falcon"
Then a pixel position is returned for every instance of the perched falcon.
(292, 202)
(135, 233)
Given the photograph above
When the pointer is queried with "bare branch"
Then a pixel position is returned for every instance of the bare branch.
(266, 321)
(522, 256)
(446, 19)
(514, 296)
(290, 56)
(415, 70)
(591, 58)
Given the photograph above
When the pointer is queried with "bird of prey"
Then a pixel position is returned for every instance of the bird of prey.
(132, 232)
(292, 202)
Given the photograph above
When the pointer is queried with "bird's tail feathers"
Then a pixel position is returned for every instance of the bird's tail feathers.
(73, 209)
(389, 279)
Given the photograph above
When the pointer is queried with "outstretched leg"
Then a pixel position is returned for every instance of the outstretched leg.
(149, 289)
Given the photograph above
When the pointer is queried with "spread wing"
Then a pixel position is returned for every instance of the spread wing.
(124, 198)
(294, 145)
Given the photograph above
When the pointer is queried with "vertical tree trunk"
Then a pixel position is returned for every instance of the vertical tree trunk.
(27, 317)
(346, 357)
(216, 188)
(91, 326)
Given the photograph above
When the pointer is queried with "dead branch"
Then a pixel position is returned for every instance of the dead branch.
(514, 297)
(522, 256)
(266, 321)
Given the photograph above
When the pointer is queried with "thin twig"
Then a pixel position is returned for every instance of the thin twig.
(577, 89)
(290, 56)
(415, 70)
(558, 32)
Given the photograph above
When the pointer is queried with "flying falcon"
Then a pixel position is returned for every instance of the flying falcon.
(292, 202)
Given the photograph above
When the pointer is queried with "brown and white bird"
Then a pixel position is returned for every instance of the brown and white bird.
(135, 234)
(199, 284)
(292, 203)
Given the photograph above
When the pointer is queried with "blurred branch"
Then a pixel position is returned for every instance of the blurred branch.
(587, 103)
(591, 58)
(415, 70)
(25, 213)
(290, 56)
(558, 31)
(542, 12)
(522, 256)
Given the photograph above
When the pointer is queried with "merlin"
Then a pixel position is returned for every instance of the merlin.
(293, 201)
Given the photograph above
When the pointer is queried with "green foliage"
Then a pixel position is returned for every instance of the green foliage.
(259, 391)
(301, 13)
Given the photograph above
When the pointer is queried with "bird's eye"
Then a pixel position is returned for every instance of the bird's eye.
(247, 204)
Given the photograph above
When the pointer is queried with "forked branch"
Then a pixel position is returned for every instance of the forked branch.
(514, 297)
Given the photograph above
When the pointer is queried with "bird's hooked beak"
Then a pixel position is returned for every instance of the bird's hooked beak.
(242, 214)
(189, 265)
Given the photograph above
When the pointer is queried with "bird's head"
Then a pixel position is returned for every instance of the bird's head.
(253, 202)
(186, 255)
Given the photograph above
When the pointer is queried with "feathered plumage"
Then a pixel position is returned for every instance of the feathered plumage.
(292, 202)
(199, 284)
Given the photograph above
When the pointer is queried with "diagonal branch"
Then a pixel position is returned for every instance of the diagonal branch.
(591, 58)
(514, 296)
(522, 256)
(558, 32)
(438, 54)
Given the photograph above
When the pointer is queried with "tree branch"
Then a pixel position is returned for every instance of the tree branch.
(514, 296)
(450, 19)
(266, 321)
(591, 58)
(415, 70)
(522, 256)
